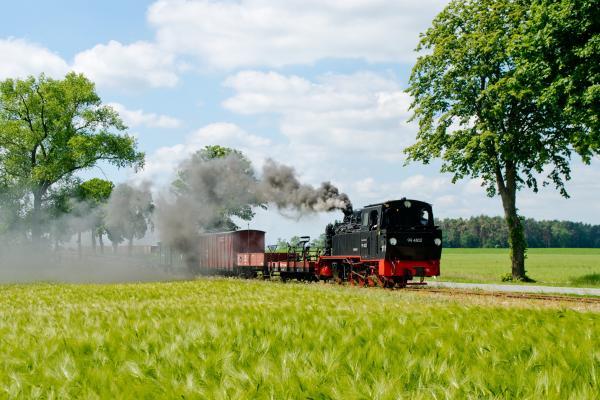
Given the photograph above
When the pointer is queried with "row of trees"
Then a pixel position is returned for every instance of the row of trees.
(49, 131)
(484, 231)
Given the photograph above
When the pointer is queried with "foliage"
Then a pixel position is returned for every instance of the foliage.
(487, 98)
(483, 231)
(564, 47)
(318, 242)
(63, 211)
(283, 245)
(50, 129)
(129, 212)
(95, 193)
(219, 339)
(554, 267)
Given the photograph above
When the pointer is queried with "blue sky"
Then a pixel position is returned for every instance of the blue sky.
(315, 84)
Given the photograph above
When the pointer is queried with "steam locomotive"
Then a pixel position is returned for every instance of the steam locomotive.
(386, 244)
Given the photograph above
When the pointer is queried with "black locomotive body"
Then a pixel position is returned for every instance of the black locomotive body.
(394, 241)
(400, 229)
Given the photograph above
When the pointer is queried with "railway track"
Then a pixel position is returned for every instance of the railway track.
(510, 295)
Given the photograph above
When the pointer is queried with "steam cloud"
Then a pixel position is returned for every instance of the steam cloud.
(206, 194)
(57, 257)
(229, 183)
(281, 187)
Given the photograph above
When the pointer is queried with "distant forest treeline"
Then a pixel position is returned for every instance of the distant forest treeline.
(484, 231)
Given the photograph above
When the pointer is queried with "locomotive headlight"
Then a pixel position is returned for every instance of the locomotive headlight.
(437, 241)
(393, 241)
(407, 204)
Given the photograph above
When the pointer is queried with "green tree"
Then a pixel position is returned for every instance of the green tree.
(129, 214)
(284, 245)
(480, 98)
(61, 211)
(95, 194)
(50, 129)
(563, 45)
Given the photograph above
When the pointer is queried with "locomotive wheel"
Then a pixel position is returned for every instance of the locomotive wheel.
(387, 283)
(372, 281)
(360, 281)
(401, 283)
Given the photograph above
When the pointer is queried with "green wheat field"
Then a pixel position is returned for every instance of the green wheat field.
(236, 339)
(554, 267)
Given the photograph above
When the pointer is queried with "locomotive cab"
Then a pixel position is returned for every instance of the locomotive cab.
(408, 231)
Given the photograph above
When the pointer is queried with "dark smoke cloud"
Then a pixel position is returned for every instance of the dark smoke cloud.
(229, 183)
(281, 187)
(196, 203)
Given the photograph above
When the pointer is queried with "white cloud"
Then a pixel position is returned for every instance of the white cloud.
(135, 118)
(261, 32)
(227, 134)
(162, 164)
(359, 115)
(21, 58)
(140, 64)
(113, 65)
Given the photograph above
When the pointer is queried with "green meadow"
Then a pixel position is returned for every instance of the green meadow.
(235, 339)
(556, 267)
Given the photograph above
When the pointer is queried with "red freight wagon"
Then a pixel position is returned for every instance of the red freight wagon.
(219, 251)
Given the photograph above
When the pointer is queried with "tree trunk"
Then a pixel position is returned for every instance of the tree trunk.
(93, 232)
(115, 246)
(101, 241)
(79, 253)
(130, 246)
(36, 227)
(516, 237)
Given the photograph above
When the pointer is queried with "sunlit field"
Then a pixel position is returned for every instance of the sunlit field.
(560, 267)
(231, 339)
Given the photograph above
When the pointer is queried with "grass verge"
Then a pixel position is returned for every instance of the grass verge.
(554, 267)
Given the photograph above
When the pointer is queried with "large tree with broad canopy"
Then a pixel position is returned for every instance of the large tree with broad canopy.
(506, 91)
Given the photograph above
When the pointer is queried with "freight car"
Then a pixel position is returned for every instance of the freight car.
(386, 244)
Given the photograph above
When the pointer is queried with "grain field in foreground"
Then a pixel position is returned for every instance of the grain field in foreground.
(236, 339)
